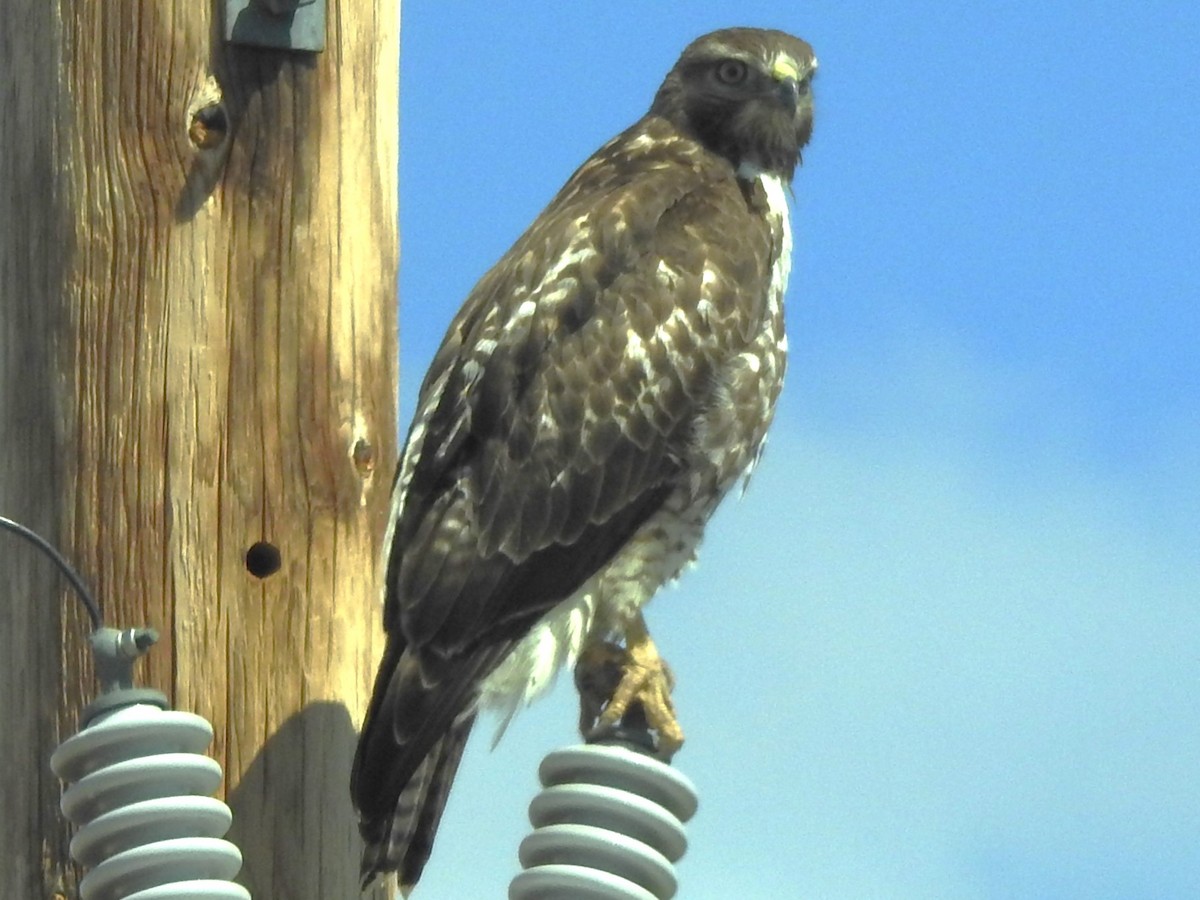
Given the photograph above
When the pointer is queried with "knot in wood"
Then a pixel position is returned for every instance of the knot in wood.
(209, 126)
(363, 455)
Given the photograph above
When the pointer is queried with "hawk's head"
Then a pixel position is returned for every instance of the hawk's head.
(745, 93)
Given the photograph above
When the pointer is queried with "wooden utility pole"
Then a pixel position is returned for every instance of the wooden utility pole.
(198, 256)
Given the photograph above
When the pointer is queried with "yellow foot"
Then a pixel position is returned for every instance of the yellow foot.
(615, 682)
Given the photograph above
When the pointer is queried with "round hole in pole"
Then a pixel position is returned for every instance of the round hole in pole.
(263, 559)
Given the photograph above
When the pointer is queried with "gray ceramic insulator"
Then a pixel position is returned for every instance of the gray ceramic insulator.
(608, 825)
(139, 790)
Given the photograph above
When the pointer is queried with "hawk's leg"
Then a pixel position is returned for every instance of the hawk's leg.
(614, 682)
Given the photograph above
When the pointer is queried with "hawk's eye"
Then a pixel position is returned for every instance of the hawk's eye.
(731, 71)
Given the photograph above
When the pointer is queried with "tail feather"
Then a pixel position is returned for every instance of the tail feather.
(403, 842)
(411, 743)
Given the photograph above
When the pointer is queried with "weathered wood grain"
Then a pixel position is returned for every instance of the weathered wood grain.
(198, 257)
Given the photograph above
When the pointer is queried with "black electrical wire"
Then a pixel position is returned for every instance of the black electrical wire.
(93, 608)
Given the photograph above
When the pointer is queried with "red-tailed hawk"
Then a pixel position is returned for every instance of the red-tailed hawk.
(599, 392)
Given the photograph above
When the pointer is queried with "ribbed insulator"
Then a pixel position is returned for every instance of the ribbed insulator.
(140, 797)
(608, 825)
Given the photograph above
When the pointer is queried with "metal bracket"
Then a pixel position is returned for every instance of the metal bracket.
(285, 24)
(113, 655)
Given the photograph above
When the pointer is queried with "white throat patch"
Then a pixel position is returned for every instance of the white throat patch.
(777, 212)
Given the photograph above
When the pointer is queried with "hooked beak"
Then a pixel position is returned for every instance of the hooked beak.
(789, 93)
(787, 76)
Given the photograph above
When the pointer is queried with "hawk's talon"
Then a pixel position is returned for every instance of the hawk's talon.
(597, 675)
(617, 684)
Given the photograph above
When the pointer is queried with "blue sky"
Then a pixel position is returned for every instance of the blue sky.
(963, 657)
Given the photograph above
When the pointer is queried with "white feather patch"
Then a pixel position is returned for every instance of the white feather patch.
(778, 211)
(656, 554)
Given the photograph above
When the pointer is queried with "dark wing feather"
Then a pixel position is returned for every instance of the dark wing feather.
(542, 444)
(536, 433)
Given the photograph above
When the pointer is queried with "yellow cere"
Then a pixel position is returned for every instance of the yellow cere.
(783, 68)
